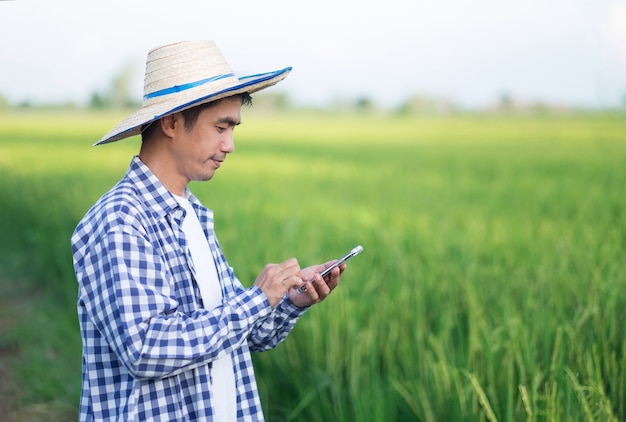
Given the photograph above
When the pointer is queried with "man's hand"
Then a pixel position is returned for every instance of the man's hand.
(276, 279)
(320, 288)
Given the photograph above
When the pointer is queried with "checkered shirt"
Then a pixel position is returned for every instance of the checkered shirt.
(148, 343)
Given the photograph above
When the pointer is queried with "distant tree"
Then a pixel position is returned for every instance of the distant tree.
(282, 101)
(425, 105)
(97, 101)
(506, 102)
(271, 101)
(364, 104)
(121, 87)
(4, 103)
(117, 95)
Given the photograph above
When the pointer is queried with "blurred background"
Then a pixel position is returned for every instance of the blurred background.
(475, 148)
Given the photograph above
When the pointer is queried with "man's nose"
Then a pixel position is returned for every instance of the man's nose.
(228, 144)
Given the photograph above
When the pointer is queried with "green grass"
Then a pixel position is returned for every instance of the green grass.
(490, 288)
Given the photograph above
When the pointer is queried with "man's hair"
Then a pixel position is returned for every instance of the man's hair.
(191, 114)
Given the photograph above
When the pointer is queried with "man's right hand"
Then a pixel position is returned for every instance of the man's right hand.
(276, 279)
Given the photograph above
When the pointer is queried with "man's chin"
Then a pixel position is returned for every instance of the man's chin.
(204, 177)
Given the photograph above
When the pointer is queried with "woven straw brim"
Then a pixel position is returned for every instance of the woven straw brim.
(131, 126)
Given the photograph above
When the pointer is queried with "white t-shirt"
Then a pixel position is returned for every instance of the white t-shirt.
(223, 376)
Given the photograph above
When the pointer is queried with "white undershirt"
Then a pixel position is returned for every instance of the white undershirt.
(223, 376)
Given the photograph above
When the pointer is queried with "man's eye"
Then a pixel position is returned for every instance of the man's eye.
(221, 129)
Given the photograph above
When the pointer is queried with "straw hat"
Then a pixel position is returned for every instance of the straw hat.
(185, 74)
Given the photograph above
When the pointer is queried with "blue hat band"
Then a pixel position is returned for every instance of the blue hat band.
(184, 87)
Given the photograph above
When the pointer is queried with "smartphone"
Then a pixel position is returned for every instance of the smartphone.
(354, 252)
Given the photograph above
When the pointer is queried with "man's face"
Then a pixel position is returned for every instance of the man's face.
(201, 150)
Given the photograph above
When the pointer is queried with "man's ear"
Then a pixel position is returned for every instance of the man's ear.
(169, 124)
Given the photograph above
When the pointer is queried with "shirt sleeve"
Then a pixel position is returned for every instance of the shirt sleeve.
(126, 290)
(272, 330)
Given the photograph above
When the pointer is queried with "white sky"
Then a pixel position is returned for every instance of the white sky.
(470, 51)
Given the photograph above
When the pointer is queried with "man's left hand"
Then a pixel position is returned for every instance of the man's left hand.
(320, 288)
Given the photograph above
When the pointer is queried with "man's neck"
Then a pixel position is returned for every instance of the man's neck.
(161, 167)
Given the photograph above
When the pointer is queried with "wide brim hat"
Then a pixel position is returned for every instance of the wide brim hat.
(183, 75)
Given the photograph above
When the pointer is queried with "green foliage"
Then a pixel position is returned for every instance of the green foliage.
(490, 286)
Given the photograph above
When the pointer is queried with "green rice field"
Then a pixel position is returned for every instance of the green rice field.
(492, 285)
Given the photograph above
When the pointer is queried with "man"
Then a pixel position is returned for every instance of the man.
(167, 328)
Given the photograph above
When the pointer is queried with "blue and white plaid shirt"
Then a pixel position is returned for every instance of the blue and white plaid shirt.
(148, 342)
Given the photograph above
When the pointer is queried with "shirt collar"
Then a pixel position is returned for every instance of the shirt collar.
(152, 191)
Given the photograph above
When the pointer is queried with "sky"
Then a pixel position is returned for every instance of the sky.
(471, 52)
